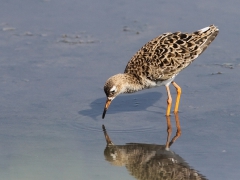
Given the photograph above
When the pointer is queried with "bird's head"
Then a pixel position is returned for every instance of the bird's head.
(113, 87)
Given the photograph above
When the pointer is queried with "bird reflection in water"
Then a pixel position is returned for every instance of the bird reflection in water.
(151, 161)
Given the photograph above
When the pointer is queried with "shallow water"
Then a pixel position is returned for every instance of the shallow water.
(55, 59)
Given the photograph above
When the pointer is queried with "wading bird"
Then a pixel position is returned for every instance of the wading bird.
(158, 62)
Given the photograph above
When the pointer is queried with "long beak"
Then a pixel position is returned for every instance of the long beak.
(108, 102)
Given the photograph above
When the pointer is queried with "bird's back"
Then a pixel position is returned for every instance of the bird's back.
(168, 54)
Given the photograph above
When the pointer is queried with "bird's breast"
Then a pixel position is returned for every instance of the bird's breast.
(155, 83)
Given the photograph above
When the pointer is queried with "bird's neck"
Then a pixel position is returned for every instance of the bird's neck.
(132, 83)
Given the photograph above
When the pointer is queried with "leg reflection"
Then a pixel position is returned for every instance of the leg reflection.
(151, 161)
(169, 130)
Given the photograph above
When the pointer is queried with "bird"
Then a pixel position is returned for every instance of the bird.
(158, 63)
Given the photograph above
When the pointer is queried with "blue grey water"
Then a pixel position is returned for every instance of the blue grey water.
(55, 56)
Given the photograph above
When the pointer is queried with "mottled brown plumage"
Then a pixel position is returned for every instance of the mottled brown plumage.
(158, 62)
(169, 53)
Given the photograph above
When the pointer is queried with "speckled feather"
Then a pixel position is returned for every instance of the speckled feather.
(158, 62)
(168, 54)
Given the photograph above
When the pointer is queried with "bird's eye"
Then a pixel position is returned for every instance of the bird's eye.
(113, 90)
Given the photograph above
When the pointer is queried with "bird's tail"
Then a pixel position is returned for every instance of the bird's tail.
(204, 37)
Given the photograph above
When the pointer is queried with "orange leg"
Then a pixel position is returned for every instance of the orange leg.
(178, 96)
(169, 101)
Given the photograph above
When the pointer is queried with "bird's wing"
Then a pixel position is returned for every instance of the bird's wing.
(169, 53)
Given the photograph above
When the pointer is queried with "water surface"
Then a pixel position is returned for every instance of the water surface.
(55, 59)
